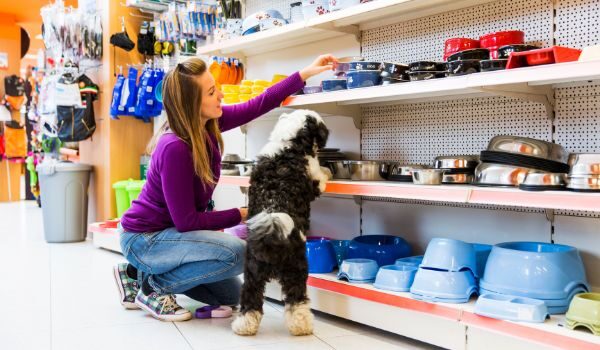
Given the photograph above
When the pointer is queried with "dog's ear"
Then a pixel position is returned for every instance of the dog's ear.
(313, 133)
(322, 135)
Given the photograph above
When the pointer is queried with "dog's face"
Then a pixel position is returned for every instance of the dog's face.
(301, 130)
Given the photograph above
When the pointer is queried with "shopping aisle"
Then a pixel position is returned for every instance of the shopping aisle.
(62, 296)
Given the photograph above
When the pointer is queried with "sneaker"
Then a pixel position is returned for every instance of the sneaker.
(127, 286)
(162, 307)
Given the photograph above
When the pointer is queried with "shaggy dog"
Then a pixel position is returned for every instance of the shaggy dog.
(285, 180)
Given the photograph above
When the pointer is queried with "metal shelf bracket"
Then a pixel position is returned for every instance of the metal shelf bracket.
(540, 94)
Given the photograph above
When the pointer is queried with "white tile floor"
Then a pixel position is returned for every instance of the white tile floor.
(62, 296)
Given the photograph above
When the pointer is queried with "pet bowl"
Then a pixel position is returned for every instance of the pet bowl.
(443, 286)
(493, 65)
(335, 5)
(505, 51)
(313, 10)
(584, 311)
(482, 252)
(426, 75)
(365, 65)
(340, 247)
(254, 20)
(550, 272)
(450, 255)
(334, 84)
(491, 174)
(506, 307)
(384, 249)
(395, 71)
(363, 78)
(312, 89)
(358, 270)
(427, 66)
(584, 164)
(397, 278)
(463, 67)
(528, 147)
(427, 176)
(320, 255)
(454, 45)
(472, 54)
(411, 260)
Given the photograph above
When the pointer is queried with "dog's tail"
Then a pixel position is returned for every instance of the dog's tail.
(271, 228)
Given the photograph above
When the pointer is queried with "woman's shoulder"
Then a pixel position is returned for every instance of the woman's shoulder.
(170, 143)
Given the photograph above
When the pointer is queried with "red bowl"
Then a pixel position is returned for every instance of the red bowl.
(495, 40)
(454, 45)
(537, 59)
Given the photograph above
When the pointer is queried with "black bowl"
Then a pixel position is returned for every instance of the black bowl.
(492, 65)
(504, 51)
(472, 54)
(426, 75)
(427, 66)
(365, 65)
(395, 70)
(463, 67)
(524, 161)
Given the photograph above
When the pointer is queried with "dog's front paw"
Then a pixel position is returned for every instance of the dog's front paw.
(299, 319)
(247, 323)
(327, 172)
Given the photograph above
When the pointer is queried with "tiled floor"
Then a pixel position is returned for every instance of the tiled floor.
(62, 296)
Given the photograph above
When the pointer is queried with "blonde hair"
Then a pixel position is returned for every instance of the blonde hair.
(182, 100)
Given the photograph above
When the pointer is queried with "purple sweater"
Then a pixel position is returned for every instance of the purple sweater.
(173, 195)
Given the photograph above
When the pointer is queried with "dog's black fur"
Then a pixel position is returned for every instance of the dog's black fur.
(281, 184)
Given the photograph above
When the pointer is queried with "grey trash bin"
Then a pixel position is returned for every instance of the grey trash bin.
(64, 194)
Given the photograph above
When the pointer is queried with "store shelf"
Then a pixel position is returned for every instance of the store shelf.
(564, 200)
(548, 334)
(529, 83)
(337, 23)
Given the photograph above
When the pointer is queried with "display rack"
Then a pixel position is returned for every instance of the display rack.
(348, 21)
(454, 193)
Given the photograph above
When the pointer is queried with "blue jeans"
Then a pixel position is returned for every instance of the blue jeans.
(201, 264)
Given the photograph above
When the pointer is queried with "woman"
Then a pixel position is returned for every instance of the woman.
(169, 235)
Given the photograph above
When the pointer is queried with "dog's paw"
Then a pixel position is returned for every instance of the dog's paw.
(247, 323)
(299, 319)
(327, 172)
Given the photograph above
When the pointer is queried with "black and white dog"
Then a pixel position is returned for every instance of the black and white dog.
(285, 180)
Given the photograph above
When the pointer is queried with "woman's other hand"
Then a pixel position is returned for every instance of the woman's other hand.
(244, 214)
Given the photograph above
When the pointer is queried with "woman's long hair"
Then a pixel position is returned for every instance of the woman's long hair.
(182, 100)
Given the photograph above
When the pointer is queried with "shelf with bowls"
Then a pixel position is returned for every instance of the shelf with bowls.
(454, 193)
(326, 293)
(530, 83)
(347, 21)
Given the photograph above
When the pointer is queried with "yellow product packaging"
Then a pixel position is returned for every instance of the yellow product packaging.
(245, 97)
(247, 82)
(257, 89)
(228, 88)
(262, 83)
(245, 89)
(278, 77)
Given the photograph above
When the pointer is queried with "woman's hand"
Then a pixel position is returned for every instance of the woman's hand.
(244, 214)
(321, 64)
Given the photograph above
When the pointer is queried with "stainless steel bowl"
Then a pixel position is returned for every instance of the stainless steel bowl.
(230, 172)
(339, 169)
(245, 169)
(550, 179)
(529, 147)
(367, 170)
(456, 162)
(404, 170)
(584, 164)
(231, 158)
(457, 178)
(491, 174)
(427, 176)
(584, 183)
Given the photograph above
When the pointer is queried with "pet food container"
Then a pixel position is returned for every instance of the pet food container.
(584, 312)
(463, 67)
(450, 255)
(528, 147)
(320, 255)
(363, 78)
(365, 65)
(367, 170)
(443, 286)
(584, 164)
(339, 169)
(491, 174)
(427, 66)
(506, 307)
(358, 270)
(334, 84)
(468, 55)
(397, 278)
(461, 162)
(427, 176)
(544, 182)
(454, 45)
(384, 249)
(493, 65)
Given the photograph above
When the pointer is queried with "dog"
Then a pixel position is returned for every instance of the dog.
(286, 179)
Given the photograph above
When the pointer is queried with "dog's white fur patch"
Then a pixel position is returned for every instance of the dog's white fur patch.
(299, 319)
(315, 171)
(286, 222)
(275, 223)
(247, 323)
(287, 128)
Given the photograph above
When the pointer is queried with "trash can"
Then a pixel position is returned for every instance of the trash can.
(63, 187)
(134, 189)
(122, 196)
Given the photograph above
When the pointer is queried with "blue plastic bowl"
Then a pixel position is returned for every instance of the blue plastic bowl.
(341, 248)
(450, 255)
(358, 270)
(397, 278)
(411, 260)
(443, 286)
(511, 308)
(320, 255)
(550, 272)
(363, 78)
(482, 252)
(334, 84)
(384, 249)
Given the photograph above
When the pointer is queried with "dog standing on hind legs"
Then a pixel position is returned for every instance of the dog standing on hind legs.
(286, 179)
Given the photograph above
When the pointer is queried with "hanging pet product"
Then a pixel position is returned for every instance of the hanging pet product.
(146, 39)
(121, 40)
(129, 93)
(15, 140)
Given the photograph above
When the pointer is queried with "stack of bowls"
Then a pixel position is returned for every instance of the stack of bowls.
(393, 73)
(454, 45)
(397, 278)
(402, 172)
(320, 255)
(448, 272)
(508, 160)
(467, 61)
(500, 45)
(585, 172)
(427, 176)
(425, 70)
(457, 169)
(552, 273)
(503, 55)
(384, 249)
(411, 260)
(364, 74)
(584, 312)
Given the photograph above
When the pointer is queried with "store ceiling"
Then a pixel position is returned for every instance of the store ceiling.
(27, 10)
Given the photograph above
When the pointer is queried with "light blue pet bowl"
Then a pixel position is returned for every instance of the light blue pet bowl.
(550, 272)
(443, 286)
(482, 252)
(411, 260)
(450, 255)
(506, 307)
(358, 270)
(397, 278)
